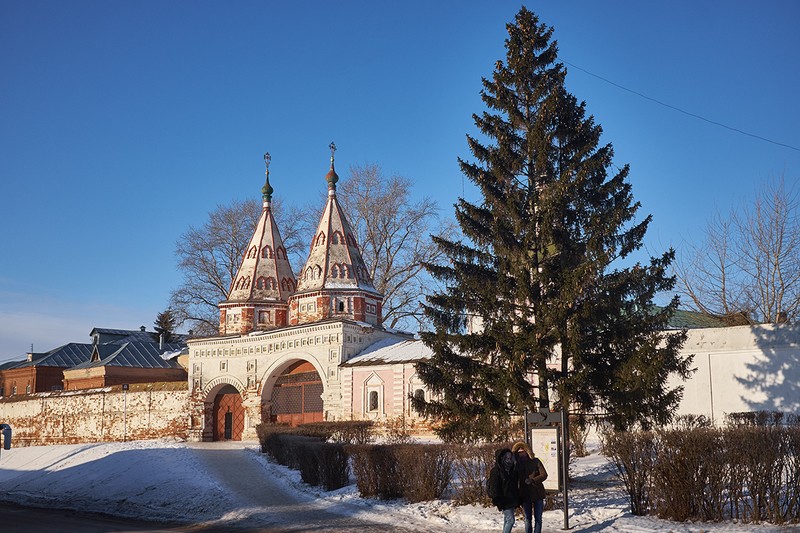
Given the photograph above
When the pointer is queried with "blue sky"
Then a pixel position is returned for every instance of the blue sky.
(123, 123)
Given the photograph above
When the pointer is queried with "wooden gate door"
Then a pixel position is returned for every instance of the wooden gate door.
(297, 396)
(228, 415)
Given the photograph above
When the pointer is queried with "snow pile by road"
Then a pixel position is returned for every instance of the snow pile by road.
(168, 480)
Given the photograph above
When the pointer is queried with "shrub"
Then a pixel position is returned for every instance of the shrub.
(291, 450)
(376, 471)
(397, 430)
(749, 472)
(264, 430)
(425, 470)
(692, 422)
(755, 418)
(334, 465)
(577, 437)
(690, 475)
(471, 465)
(633, 455)
(342, 431)
(323, 464)
(321, 430)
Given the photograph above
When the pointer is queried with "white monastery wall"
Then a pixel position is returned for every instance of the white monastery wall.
(742, 368)
(97, 415)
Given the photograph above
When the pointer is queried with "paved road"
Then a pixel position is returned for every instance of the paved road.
(18, 519)
(280, 510)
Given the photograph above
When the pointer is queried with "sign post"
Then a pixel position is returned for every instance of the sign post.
(549, 445)
(125, 412)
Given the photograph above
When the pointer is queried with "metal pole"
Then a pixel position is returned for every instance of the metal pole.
(565, 461)
(526, 429)
(125, 415)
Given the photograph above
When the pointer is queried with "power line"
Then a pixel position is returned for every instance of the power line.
(681, 110)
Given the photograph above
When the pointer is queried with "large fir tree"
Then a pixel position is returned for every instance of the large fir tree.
(541, 266)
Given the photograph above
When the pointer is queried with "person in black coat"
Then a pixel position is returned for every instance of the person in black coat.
(531, 474)
(503, 486)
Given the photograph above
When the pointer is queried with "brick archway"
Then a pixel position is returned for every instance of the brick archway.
(297, 395)
(228, 414)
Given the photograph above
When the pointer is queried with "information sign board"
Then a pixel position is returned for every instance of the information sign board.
(545, 448)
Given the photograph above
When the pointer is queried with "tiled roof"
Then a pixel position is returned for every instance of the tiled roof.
(265, 273)
(334, 261)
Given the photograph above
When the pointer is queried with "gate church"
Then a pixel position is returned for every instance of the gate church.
(300, 350)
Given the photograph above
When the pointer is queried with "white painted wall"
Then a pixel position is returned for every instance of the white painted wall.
(743, 368)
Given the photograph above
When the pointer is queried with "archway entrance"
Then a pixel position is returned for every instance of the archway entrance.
(228, 414)
(297, 395)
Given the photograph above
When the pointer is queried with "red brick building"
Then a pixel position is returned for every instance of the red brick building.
(116, 356)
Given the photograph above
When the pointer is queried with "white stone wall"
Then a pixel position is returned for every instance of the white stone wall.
(96, 415)
(742, 368)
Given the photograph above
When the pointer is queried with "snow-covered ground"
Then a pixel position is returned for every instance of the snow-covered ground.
(167, 480)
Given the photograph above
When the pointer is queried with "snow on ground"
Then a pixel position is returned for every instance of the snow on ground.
(165, 480)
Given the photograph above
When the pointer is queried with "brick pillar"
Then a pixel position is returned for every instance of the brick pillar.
(248, 320)
(222, 320)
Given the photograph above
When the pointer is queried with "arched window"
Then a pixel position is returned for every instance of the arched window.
(335, 271)
(272, 283)
(351, 241)
(373, 395)
(373, 401)
(246, 283)
(320, 239)
(251, 254)
(280, 252)
(346, 271)
(419, 395)
(317, 272)
(337, 238)
(261, 283)
(267, 252)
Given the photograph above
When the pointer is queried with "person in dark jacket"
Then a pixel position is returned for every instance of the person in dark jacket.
(531, 474)
(503, 486)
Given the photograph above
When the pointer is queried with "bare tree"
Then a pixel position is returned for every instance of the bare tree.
(747, 269)
(394, 233)
(709, 274)
(770, 252)
(210, 255)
